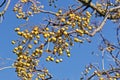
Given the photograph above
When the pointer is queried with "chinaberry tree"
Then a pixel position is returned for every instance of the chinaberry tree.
(63, 28)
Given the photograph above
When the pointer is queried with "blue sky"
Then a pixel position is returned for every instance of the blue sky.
(71, 67)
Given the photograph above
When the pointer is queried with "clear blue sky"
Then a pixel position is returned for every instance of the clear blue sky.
(71, 67)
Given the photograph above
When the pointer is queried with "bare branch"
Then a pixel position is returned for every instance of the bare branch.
(3, 3)
(6, 7)
(100, 11)
(107, 72)
(100, 27)
(8, 67)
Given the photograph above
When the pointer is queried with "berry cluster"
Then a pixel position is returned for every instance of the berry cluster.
(78, 22)
(49, 39)
(24, 13)
(58, 39)
(44, 75)
(111, 74)
(74, 24)
(27, 61)
(100, 75)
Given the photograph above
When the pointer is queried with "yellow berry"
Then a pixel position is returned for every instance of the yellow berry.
(47, 59)
(60, 52)
(13, 42)
(60, 11)
(67, 51)
(29, 46)
(16, 48)
(65, 33)
(45, 35)
(68, 22)
(98, 73)
(66, 44)
(52, 59)
(110, 79)
(57, 61)
(114, 79)
(24, 1)
(27, 64)
(101, 78)
(20, 47)
(25, 57)
(68, 55)
(17, 29)
(21, 56)
(80, 31)
(38, 37)
(57, 14)
(89, 27)
(55, 50)
(76, 39)
(36, 78)
(15, 9)
(52, 33)
(40, 51)
(73, 25)
(19, 33)
(36, 32)
(37, 50)
(47, 29)
(88, 13)
(72, 15)
(35, 41)
(62, 20)
(117, 74)
(29, 13)
(14, 51)
(53, 39)
(29, 75)
(86, 32)
(36, 28)
(24, 41)
(84, 19)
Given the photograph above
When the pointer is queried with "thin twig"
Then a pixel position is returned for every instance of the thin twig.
(6, 7)
(100, 11)
(100, 27)
(103, 67)
(8, 67)
(3, 3)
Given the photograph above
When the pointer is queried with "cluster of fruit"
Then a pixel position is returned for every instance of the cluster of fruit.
(74, 24)
(28, 55)
(25, 66)
(75, 21)
(100, 75)
(52, 40)
(44, 75)
(31, 38)
(27, 61)
(20, 11)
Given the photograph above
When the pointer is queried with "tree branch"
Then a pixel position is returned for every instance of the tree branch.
(100, 27)
(100, 11)
(110, 71)
(8, 67)
(6, 7)
(3, 3)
